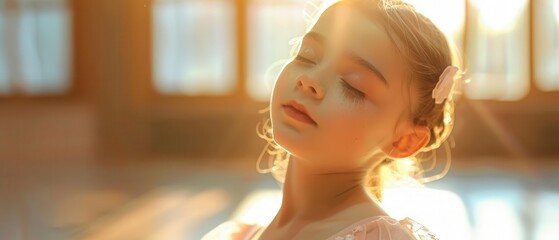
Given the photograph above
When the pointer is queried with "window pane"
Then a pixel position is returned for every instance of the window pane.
(546, 44)
(271, 26)
(546, 226)
(194, 47)
(448, 15)
(498, 49)
(4, 74)
(44, 46)
(496, 213)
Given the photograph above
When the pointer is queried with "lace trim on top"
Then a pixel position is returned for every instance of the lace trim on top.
(379, 227)
(384, 227)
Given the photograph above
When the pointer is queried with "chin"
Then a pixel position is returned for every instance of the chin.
(289, 143)
(281, 140)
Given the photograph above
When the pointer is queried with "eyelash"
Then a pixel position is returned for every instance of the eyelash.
(303, 59)
(352, 93)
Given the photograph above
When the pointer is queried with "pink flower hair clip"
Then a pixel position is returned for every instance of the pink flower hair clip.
(445, 85)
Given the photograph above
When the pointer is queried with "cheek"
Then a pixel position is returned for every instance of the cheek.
(285, 80)
(354, 138)
(355, 131)
(284, 134)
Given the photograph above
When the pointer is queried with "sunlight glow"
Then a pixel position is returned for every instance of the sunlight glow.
(259, 207)
(432, 208)
(495, 16)
(408, 162)
(497, 220)
(503, 134)
(496, 214)
(556, 10)
(447, 119)
(448, 15)
(269, 48)
(547, 216)
(498, 50)
(164, 213)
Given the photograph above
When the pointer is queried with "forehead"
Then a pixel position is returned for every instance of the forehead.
(344, 26)
(347, 19)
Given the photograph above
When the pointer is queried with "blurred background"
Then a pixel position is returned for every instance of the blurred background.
(135, 119)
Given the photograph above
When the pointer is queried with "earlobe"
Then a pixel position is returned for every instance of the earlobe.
(409, 143)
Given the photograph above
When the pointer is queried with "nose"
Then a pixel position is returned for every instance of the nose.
(310, 87)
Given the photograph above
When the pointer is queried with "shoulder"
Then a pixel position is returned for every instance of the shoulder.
(231, 230)
(384, 228)
(417, 230)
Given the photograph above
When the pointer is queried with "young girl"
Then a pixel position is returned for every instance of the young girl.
(370, 86)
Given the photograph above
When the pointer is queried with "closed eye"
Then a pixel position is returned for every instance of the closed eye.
(303, 59)
(352, 93)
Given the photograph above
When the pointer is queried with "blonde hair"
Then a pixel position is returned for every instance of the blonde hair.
(427, 52)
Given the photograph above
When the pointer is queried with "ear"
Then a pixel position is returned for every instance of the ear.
(409, 143)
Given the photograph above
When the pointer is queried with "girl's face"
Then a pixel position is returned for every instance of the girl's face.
(348, 77)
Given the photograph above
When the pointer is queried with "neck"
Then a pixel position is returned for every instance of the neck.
(310, 196)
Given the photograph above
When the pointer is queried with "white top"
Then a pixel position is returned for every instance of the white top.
(373, 228)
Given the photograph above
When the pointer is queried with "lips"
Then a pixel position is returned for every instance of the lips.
(298, 111)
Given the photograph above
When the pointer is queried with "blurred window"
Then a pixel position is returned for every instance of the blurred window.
(498, 50)
(546, 226)
(4, 74)
(448, 15)
(272, 26)
(195, 49)
(195, 46)
(496, 213)
(34, 47)
(546, 44)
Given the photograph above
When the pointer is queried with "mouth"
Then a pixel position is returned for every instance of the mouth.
(298, 112)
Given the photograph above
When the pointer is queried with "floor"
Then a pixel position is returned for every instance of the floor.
(177, 200)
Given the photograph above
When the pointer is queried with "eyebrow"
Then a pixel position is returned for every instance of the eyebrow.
(369, 66)
(320, 39)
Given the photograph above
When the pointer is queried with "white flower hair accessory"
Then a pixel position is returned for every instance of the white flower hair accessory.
(445, 85)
